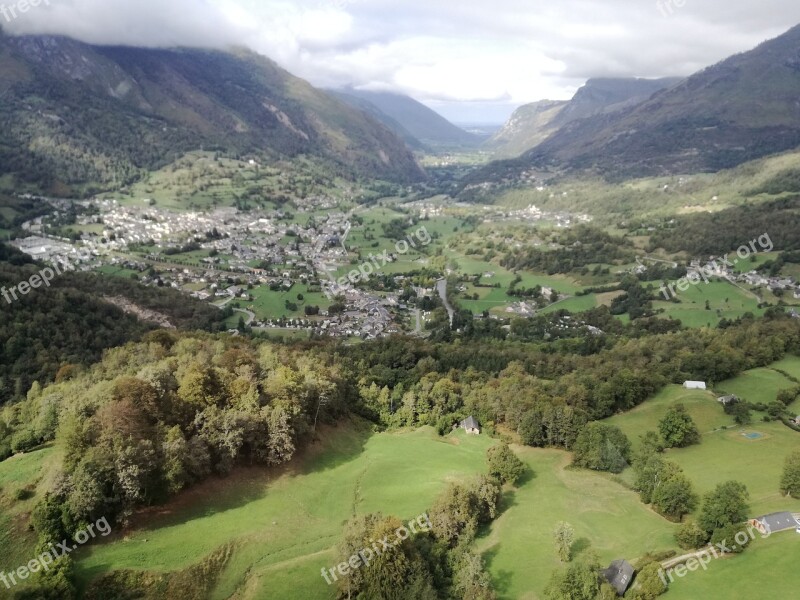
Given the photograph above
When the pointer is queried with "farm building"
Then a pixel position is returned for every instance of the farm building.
(726, 400)
(694, 385)
(620, 575)
(775, 522)
(470, 425)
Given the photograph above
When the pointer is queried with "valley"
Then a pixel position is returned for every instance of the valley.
(286, 330)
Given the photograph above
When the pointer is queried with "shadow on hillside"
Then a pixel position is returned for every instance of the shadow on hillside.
(501, 581)
(334, 446)
(527, 476)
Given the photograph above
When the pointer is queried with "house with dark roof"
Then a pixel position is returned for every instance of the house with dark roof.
(775, 522)
(620, 575)
(470, 425)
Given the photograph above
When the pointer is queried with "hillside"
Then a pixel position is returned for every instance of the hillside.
(70, 323)
(80, 116)
(419, 121)
(740, 109)
(533, 123)
(375, 112)
(530, 125)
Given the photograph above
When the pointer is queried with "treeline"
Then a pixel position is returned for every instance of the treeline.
(782, 182)
(707, 234)
(577, 248)
(156, 416)
(436, 562)
(548, 393)
(68, 323)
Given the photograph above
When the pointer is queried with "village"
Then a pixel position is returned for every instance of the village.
(222, 256)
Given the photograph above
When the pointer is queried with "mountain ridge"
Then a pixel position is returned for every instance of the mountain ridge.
(417, 120)
(77, 114)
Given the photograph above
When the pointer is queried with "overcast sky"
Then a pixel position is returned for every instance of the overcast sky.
(472, 60)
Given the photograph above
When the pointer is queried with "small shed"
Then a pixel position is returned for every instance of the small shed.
(775, 522)
(694, 385)
(620, 575)
(470, 425)
(727, 400)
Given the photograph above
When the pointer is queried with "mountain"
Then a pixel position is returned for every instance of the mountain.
(416, 119)
(743, 108)
(375, 112)
(533, 123)
(75, 115)
(530, 125)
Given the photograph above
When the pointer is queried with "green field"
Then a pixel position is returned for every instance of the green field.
(28, 471)
(767, 570)
(760, 385)
(270, 304)
(724, 299)
(607, 518)
(285, 525)
(723, 454)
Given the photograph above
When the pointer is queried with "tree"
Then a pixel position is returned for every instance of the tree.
(675, 497)
(690, 536)
(650, 473)
(470, 580)
(459, 510)
(741, 413)
(649, 583)
(391, 573)
(504, 464)
(579, 581)
(790, 481)
(563, 538)
(678, 429)
(602, 447)
(724, 538)
(726, 505)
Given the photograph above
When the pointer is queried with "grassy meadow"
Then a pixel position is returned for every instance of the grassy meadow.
(284, 525)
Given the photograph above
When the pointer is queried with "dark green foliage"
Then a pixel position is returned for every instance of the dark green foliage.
(725, 538)
(70, 323)
(577, 247)
(690, 536)
(677, 428)
(579, 581)
(649, 584)
(704, 234)
(675, 497)
(602, 447)
(725, 506)
(57, 583)
(504, 464)
(790, 480)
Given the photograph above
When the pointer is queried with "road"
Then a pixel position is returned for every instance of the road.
(251, 316)
(441, 287)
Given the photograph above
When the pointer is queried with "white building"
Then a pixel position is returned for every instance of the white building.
(694, 385)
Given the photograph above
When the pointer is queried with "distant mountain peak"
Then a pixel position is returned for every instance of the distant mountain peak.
(418, 122)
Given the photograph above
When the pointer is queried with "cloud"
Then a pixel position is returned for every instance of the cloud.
(449, 53)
